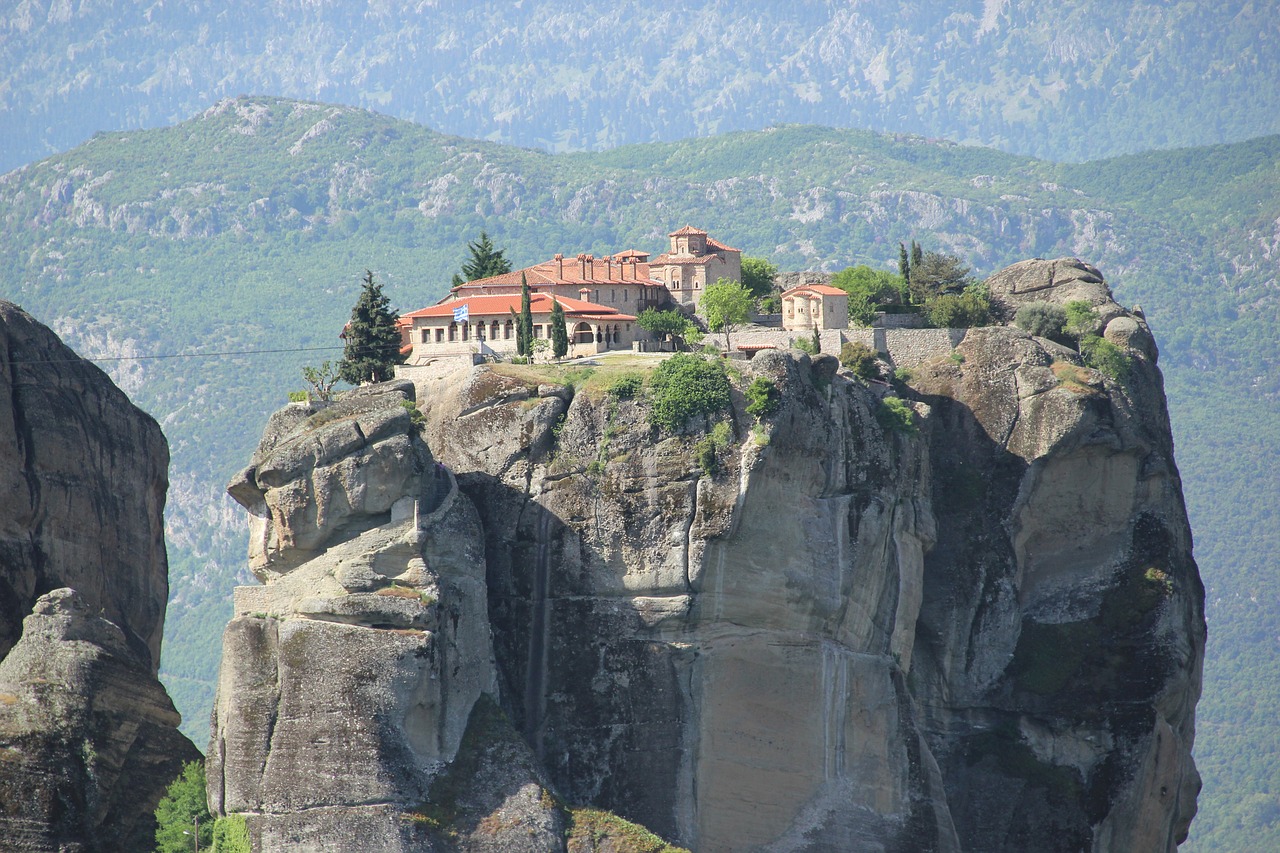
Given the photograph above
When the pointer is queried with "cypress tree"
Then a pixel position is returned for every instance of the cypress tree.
(372, 340)
(559, 334)
(524, 328)
(904, 264)
(917, 254)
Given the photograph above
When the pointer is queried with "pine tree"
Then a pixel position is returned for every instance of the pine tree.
(373, 342)
(184, 810)
(559, 334)
(525, 332)
(485, 260)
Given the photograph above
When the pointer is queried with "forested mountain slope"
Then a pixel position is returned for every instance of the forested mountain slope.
(238, 239)
(1076, 79)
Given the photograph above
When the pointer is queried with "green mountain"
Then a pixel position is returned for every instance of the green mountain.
(1073, 79)
(213, 259)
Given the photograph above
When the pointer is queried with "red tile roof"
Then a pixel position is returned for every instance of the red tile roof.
(668, 258)
(502, 304)
(721, 247)
(687, 231)
(822, 289)
(576, 270)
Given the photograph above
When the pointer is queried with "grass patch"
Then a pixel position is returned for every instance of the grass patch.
(597, 379)
(1073, 377)
(399, 591)
(592, 830)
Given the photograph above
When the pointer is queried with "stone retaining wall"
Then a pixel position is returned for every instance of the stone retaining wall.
(905, 347)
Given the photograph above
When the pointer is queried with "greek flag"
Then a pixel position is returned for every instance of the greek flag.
(461, 314)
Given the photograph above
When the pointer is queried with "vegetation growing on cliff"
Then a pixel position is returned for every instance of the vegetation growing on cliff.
(684, 387)
(184, 810)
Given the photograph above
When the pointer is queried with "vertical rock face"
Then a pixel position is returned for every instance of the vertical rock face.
(88, 737)
(979, 632)
(349, 678)
(83, 475)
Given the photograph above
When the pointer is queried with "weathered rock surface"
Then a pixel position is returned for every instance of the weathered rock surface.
(348, 679)
(83, 474)
(984, 636)
(88, 736)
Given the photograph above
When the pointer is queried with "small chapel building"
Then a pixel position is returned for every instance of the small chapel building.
(815, 306)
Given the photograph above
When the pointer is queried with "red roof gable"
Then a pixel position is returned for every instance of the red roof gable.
(502, 304)
(820, 289)
(687, 231)
(576, 270)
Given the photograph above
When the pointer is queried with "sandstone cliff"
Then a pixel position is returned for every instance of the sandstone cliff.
(88, 736)
(982, 631)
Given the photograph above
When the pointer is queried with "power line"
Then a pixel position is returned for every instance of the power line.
(182, 355)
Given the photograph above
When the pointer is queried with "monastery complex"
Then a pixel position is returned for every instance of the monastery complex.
(601, 298)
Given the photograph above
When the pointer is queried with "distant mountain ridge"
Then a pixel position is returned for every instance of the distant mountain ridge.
(247, 228)
(1111, 78)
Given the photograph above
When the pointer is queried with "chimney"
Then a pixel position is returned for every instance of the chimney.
(590, 268)
(559, 259)
(584, 293)
(582, 266)
(608, 267)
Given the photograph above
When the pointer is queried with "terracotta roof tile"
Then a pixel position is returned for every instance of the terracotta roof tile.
(687, 231)
(823, 289)
(502, 304)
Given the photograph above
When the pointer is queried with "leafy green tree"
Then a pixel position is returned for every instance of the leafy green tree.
(868, 289)
(372, 348)
(664, 323)
(1081, 320)
(726, 305)
(684, 386)
(184, 810)
(895, 415)
(321, 379)
(758, 276)
(559, 333)
(485, 260)
(959, 310)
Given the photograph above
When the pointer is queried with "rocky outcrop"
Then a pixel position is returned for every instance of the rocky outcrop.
(89, 739)
(83, 474)
(978, 627)
(88, 736)
(349, 678)
(1062, 631)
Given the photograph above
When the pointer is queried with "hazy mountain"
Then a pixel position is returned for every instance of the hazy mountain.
(244, 232)
(1065, 80)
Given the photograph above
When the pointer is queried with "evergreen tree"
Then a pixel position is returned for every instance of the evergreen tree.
(904, 264)
(525, 332)
(373, 342)
(559, 333)
(485, 260)
(917, 254)
(183, 810)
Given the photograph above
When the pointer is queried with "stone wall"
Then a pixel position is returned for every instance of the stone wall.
(905, 347)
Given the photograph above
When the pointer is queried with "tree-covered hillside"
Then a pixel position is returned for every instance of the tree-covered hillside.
(1072, 79)
(237, 241)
